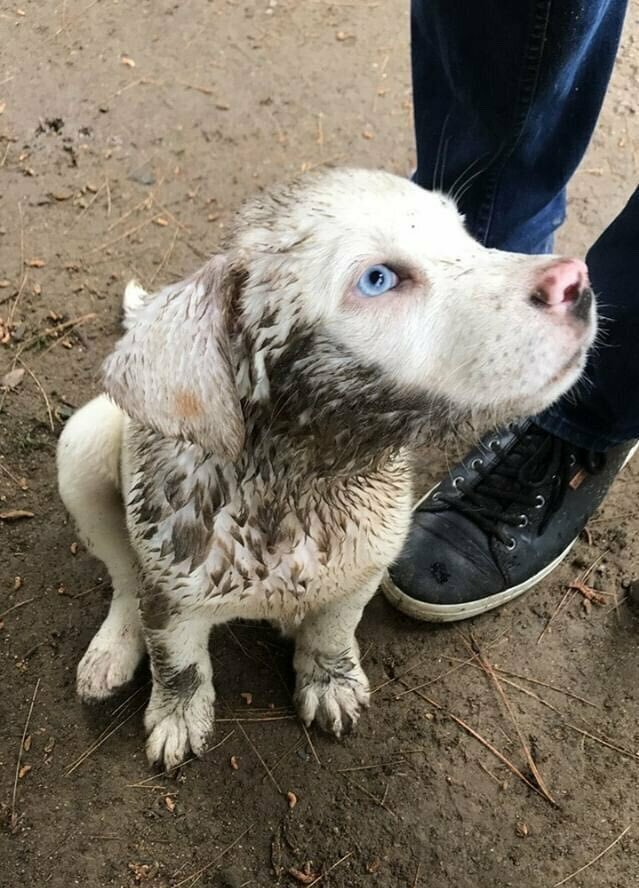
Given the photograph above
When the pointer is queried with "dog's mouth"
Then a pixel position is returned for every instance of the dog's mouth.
(570, 365)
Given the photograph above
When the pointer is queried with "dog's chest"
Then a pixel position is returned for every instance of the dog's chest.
(256, 539)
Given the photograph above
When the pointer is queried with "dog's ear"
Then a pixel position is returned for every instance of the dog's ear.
(172, 370)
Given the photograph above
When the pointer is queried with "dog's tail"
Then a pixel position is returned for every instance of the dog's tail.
(135, 297)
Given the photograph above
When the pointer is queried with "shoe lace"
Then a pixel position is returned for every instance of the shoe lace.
(537, 460)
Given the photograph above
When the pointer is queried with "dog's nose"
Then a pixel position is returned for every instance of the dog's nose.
(563, 286)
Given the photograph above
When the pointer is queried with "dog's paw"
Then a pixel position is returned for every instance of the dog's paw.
(333, 691)
(109, 663)
(176, 726)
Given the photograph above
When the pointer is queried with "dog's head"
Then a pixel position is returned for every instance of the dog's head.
(342, 285)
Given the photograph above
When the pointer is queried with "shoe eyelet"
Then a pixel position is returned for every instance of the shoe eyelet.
(510, 544)
(572, 460)
(540, 501)
(456, 481)
(523, 521)
(476, 463)
(435, 497)
(495, 445)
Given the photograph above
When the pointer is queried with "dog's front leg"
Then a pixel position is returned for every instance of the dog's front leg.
(180, 714)
(331, 686)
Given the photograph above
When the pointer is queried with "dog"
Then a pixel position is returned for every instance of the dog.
(251, 454)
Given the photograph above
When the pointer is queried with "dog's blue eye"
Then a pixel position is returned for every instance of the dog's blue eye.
(376, 280)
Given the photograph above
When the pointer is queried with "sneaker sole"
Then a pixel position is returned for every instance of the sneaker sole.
(449, 613)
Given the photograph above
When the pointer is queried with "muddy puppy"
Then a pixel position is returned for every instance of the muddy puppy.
(251, 455)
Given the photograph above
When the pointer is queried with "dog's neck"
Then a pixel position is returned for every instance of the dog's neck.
(314, 405)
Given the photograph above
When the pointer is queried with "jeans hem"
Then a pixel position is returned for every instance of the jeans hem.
(575, 434)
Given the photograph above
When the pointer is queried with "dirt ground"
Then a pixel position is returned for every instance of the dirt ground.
(128, 133)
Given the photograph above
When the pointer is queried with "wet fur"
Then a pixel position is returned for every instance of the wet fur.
(253, 460)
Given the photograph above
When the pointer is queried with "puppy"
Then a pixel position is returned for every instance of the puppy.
(251, 455)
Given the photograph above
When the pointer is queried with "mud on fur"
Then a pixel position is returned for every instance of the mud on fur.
(250, 457)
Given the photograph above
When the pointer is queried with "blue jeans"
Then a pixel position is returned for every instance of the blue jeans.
(506, 97)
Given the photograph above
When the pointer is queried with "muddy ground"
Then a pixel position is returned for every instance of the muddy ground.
(128, 133)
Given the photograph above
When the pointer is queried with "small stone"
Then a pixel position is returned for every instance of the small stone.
(12, 379)
(143, 176)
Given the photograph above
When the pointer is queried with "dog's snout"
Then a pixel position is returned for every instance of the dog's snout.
(562, 287)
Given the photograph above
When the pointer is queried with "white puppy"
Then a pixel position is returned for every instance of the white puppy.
(252, 456)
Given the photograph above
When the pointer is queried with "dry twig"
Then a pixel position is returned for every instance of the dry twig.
(490, 672)
(311, 746)
(486, 743)
(589, 593)
(370, 795)
(570, 592)
(15, 515)
(15, 607)
(41, 390)
(102, 739)
(125, 234)
(85, 209)
(20, 482)
(330, 869)
(594, 860)
(261, 760)
(602, 740)
(372, 767)
(74, 18)
(144, 784)
(197, 875)
(165, 258)
(68, 326)
(25, 730)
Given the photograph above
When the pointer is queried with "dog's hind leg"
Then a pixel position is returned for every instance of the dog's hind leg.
(89, 483)
(331, 686)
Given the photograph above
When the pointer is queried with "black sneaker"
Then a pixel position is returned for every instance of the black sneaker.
(507, 516)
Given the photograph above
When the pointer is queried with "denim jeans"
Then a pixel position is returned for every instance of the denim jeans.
(506, 98)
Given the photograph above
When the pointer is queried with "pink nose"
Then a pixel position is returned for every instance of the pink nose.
(561, 285)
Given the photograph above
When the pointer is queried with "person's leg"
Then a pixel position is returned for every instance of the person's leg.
(506, 98)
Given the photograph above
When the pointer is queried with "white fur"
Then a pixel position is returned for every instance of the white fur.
(461, 327)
